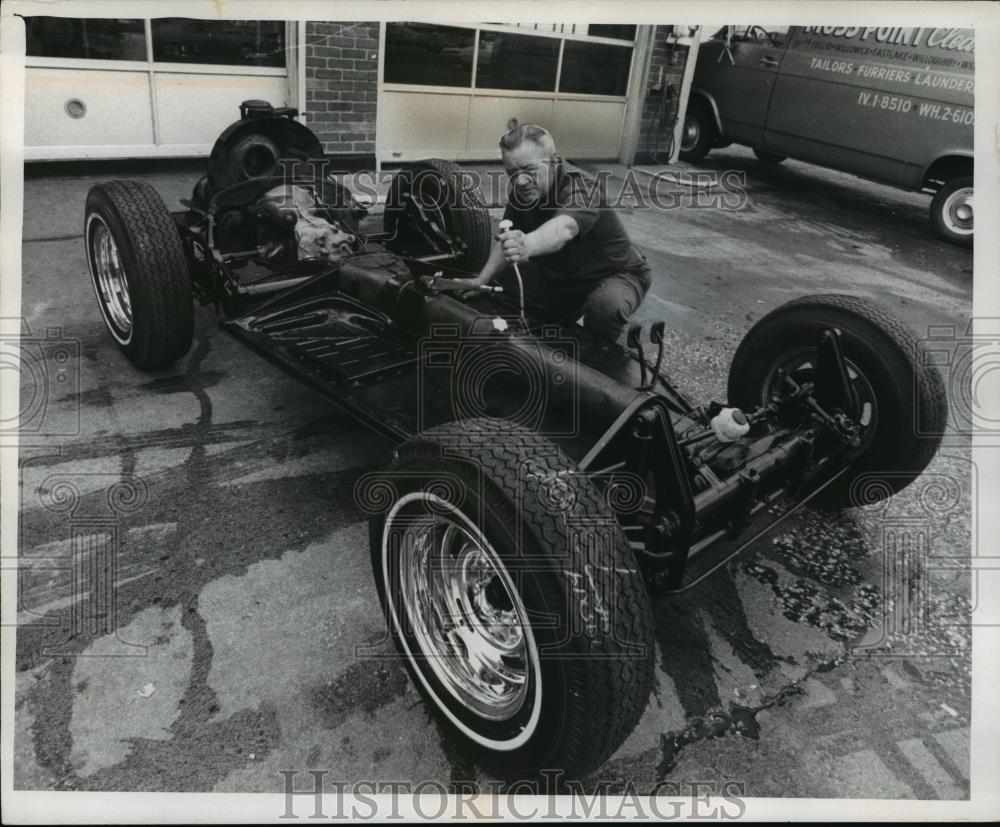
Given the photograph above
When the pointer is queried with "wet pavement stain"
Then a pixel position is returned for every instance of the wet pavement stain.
(100, 397)
(201, 751)
(685, 646)
(365, 686)
(737, 720)
(185, 382)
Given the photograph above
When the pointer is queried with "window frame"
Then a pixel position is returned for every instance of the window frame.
(474, 90)
(383, 49)
(149, 64)
(32, 60)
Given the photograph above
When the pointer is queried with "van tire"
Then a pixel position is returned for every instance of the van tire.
(948, 211)
(769, 157)
(699, 133)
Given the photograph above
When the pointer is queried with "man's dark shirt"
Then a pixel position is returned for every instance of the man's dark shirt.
(602, 247)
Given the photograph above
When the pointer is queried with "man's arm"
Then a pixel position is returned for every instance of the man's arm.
(494, 264)
(515, 245)
(550, 237)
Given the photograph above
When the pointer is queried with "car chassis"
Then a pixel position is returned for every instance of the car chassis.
(829, 398)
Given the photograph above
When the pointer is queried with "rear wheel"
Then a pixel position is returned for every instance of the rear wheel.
(139, 272)
(431, 201)
(951, 211)
(513, 596)
(901, 393)
(699, 134)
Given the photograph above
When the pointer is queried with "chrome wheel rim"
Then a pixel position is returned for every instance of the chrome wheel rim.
(957, 211)
(691, 133)
(460, 621)
(465, 616)
(109, 278)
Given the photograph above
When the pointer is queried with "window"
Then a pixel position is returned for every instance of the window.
(425, 54)
(610, 30)
(777, 34)
(225, 42)
(517, 61)
(762, 36)
(595, 68)
(93, 38)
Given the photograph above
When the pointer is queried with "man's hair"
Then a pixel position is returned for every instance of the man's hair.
(538, 135)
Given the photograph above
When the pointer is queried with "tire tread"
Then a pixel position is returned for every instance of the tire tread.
(156, 269)
(613, 690)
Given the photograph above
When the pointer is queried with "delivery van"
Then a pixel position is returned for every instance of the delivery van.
(891, 104)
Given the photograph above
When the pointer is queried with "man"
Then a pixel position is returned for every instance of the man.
(581, 260)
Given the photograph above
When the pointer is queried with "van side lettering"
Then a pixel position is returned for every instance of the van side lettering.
(946, 82)
(884, 73)
(952, 40)
(892, 103)
(952, 114)
(827, 65)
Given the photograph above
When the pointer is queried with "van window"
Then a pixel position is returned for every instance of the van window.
(761, 35)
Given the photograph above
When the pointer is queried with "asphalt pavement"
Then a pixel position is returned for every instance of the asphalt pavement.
(242, 634)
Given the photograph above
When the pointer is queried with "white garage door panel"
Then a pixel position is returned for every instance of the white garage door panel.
(488, 120)
(422, 124)
(193, 108)
(588, 128)
(117, 102)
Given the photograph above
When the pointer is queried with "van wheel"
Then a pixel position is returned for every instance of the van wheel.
(951, 211)
(699, 134)
(769, 157)
(513, 596)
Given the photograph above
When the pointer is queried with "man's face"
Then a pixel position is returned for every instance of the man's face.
(531, 172)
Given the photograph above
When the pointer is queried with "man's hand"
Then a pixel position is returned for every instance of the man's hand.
(475, 284)
(514, 244)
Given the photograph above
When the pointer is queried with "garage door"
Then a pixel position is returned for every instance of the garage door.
(120, 88)
(453, 90)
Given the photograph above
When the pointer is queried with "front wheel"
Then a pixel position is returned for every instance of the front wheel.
(900, 391)
(951, 211)
(513, 596)
(139, 272)
(699, 134)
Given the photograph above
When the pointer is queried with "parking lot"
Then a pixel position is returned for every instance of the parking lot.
(240, 635)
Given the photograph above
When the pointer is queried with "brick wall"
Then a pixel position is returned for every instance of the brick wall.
(673, 69)
(341, 80)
